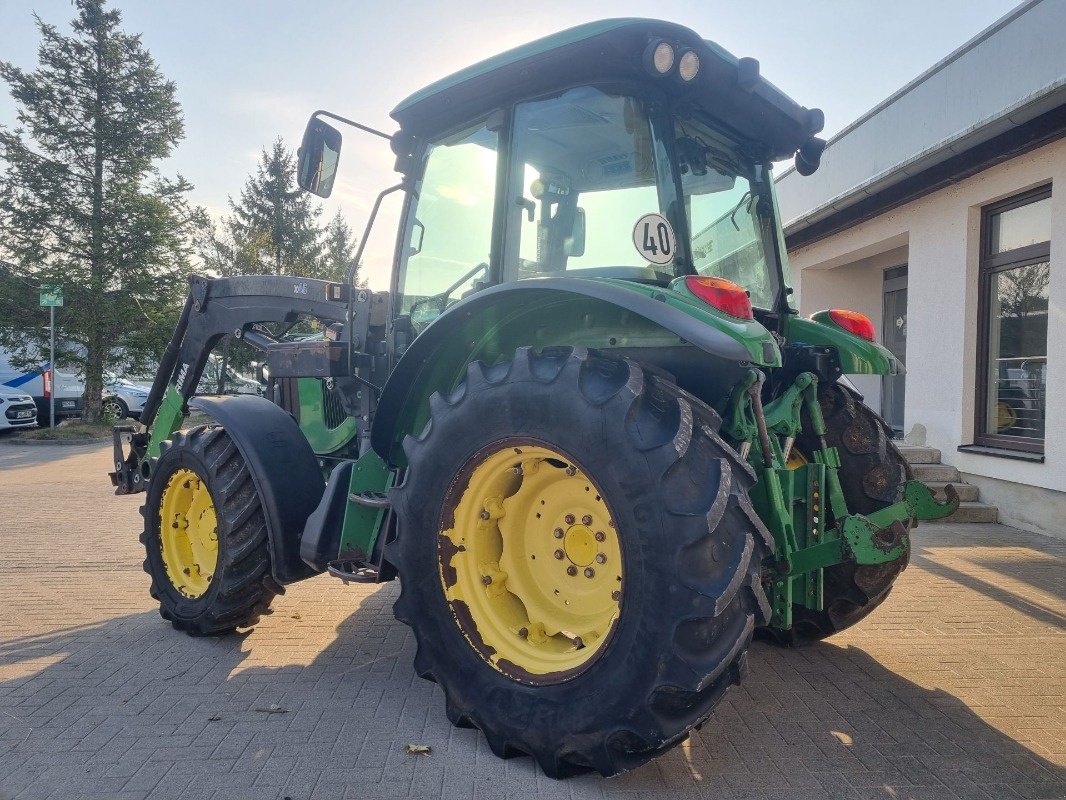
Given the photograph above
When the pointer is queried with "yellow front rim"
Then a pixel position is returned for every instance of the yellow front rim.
(188, 533)
(531, 562)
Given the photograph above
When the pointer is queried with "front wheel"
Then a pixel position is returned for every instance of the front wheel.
(579, 560)
(205, 535)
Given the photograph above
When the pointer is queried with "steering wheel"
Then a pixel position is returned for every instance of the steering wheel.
(441, 298)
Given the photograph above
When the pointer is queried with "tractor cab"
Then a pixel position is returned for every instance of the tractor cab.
(624, 150)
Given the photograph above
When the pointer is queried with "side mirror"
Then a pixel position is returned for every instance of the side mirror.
(319, 155)
(575, 242)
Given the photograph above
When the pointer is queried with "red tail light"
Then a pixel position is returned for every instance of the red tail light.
(47, 376)
(724, 295)
(853, 322)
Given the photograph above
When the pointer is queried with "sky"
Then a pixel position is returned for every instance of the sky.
(248, 71)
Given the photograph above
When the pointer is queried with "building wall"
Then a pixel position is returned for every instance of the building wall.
(1006, 75)
(938, 236)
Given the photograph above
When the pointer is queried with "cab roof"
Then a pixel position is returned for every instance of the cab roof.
(612, 52)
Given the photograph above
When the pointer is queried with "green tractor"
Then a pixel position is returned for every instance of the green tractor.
(585, 428)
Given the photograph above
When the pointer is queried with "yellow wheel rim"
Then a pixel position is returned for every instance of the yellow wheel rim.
(188, 533)
(1006, 417)
(795, 459)
(530, 562)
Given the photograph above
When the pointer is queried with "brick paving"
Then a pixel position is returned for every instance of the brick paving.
(955, 688)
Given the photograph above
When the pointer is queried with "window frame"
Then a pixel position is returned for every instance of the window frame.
(989, 265)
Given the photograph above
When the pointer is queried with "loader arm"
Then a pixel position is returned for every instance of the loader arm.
(213, 309)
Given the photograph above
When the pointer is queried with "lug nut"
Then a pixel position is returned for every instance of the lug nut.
(523, 632)
(600, 536)
(484, 513)
(601, 558)
(486, 579)
(571, 570)
(616, 596)
(589, 572)
(559, 554)
(517, 470)
(569, 519)
(571, 471)
(586, 520)
(558, 533)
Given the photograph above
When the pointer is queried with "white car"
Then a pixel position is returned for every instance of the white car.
(123, 398)
(17, 409)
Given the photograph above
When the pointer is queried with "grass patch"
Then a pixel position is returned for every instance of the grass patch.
(72, 430)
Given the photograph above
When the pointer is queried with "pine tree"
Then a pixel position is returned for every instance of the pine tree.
(338, 252)
(82, 203)
(274, 228)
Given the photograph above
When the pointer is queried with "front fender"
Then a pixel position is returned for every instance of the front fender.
(603, 314)
(284, 469)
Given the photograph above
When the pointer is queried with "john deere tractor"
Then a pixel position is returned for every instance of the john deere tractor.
(585, 428)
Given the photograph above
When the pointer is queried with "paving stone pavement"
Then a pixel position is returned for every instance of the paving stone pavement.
(954, 688)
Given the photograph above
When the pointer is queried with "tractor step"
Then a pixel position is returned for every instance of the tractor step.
(350, 571)
(370, 499)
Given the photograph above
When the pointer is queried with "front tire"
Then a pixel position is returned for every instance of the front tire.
(577, 428)
(205, 535)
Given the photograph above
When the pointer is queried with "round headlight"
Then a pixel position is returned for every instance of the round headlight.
(659, 58)
(689, 65)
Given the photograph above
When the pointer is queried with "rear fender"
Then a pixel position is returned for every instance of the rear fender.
(285, 471)
(603, 314)
(855, 355)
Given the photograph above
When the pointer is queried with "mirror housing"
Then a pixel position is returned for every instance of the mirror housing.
(809, 156)
(318, 157)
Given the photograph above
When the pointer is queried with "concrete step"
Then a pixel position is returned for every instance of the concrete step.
(974, 512)
(967, 491)
(936, 473)
(920, 455)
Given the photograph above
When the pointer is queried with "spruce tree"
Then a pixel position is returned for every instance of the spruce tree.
(274, 228)
(82, 203)
(338, 251)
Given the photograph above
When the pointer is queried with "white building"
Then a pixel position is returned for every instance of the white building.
(941, 214)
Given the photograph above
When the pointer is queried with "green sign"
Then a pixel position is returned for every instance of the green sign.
(51, 295)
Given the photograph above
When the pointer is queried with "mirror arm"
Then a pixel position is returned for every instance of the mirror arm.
(346, 121)
(405, 185)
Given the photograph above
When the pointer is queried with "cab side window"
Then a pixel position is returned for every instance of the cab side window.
(448, 235)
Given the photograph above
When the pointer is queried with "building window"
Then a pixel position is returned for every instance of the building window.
(1015, 277)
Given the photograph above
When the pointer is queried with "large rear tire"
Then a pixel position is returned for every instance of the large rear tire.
(872, 474)
(602, 471)
(205, 535)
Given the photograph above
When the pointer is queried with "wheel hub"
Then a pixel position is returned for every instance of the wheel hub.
(532, 564)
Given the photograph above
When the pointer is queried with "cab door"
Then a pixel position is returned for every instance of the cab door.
(447, 247)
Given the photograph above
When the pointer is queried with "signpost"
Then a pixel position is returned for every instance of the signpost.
(52, 296)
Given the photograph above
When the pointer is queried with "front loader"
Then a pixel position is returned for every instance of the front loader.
(586, 427)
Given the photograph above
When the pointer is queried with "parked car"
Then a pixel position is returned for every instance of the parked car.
(17, 409)
(234, 383)
(37, 382)
(123, 398)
